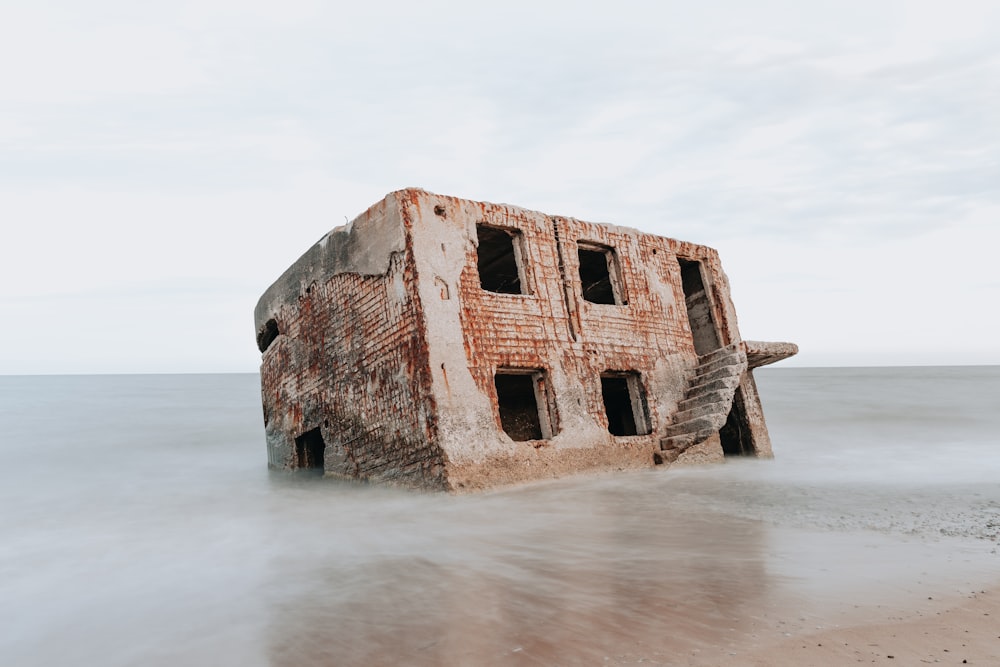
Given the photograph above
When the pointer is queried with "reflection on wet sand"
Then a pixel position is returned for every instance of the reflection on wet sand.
(119, 551)
(611, 572)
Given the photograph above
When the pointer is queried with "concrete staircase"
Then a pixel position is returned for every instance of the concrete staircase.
(707, 401)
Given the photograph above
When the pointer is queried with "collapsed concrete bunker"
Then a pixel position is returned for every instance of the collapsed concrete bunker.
(442, 343)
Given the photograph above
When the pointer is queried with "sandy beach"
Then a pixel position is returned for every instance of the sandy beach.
(940, 606)
(949, 630)
(873, 537)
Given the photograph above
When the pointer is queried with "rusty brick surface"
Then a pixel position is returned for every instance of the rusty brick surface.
(393, 355)
(351, 360)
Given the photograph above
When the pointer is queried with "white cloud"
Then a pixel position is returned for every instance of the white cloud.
(914, 300)
(59, 56)
(151, 147)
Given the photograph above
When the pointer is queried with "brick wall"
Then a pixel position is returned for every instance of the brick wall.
(395, 364)
(555, 326)
(352, 361)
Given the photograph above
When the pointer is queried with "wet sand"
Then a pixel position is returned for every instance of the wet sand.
(950, 630)
(598, 572)
(144, 529)
(854, 598)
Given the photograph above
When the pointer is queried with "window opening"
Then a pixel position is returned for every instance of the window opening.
(599, 274)
(524, 403)
(625, 403)
(267, 334)
(699, 307)
(498, 261)
(309, 448)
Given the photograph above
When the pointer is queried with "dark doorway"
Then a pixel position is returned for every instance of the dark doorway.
(497, 261)
(735, 435)
(523, 403)
(699, 307)
(624, 403)
(599, 274)
(309, 448)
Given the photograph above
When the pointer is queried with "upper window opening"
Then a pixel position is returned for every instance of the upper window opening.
(524, 403)
(699, 307)
(599, 274)
(691, 277)
(498, 262)
(625, 403)
(267, 334)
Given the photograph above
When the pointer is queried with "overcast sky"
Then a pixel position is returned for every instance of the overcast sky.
(162, 163)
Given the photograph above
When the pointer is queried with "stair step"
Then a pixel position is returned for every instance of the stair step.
(707, 398)
(719, 352)
(709, 423)
(709, 366)
(728, 383)
(696, 411)
(678, 442)
(667, 456)
(732, 370)
(707, 401)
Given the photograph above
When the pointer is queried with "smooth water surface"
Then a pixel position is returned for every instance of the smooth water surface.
(141, 526)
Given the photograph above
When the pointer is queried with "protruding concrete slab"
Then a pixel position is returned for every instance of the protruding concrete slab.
(760, 353)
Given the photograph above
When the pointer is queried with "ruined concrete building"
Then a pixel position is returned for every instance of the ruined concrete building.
(449, 344)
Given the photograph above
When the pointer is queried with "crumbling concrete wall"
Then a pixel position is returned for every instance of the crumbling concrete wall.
(382, 341)
(351, 357)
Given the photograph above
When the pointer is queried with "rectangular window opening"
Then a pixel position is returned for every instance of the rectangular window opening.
(625, 403)
(499, 261)
(524, 403)
(309, 448)
(699, 307)
(599, 274)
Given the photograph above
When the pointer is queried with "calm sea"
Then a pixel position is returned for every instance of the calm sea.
(140, 526)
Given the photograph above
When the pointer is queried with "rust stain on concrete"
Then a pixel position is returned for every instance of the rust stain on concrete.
(442, 343)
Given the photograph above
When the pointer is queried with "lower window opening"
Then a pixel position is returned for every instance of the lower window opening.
(624, 403)
(309, 448)
(522, 400)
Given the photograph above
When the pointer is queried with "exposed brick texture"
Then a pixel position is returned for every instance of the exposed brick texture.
(388, 343)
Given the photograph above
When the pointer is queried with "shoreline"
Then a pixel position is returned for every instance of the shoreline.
(961, 628)
(852, 598)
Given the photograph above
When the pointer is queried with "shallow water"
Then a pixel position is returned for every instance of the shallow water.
(141, 527)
